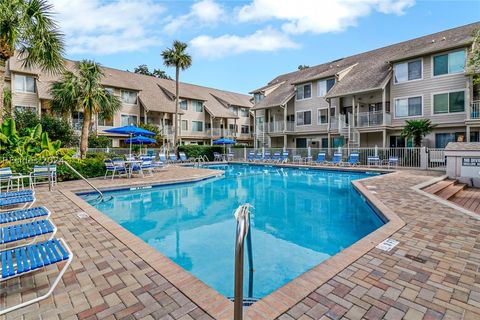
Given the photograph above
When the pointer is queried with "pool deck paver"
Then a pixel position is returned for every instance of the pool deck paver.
(108, 279)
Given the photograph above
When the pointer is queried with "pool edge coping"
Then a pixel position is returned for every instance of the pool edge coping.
(275, 303)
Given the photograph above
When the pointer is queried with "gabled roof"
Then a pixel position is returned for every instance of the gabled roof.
(370, 70)
(153, 93)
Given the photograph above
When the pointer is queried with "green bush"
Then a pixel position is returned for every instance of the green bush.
(195, 151)
(95, 141)
(88, 167)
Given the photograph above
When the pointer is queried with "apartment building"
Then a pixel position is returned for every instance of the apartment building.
(365, 99)
(206, 114)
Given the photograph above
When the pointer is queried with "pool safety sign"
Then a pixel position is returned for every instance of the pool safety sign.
(387, 244)
(470, 167)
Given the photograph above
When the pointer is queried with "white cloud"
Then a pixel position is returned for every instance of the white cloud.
(316, 16)
(263, 40)
(93, 26)
(204, 12)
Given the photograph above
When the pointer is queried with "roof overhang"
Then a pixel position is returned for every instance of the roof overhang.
(412, 56)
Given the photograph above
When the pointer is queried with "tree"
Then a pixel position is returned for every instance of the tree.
(82, 91)
(178, 58)
(474, 58)
(27, 26)
(157, 73)
(417, 130)
(303, 67)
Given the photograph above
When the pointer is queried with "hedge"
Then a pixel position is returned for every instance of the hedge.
(196, 151)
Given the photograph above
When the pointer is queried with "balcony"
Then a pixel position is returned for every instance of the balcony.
(276, 127)
(219, 132)
(370, 119)
(475, 110)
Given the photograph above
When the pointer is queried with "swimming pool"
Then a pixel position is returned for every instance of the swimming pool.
(300, 218)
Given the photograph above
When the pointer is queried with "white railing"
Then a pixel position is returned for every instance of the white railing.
(334, 123)
(370, 119)
(475, 110)
(276, 127)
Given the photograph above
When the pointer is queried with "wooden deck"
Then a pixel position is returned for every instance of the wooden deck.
(468, 198)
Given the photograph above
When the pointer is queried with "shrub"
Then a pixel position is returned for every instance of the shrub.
(195, 151)
(96, 141)
(89, 168)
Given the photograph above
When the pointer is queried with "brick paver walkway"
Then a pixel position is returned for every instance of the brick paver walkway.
(432, 274)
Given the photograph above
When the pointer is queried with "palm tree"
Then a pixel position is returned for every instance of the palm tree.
(417, 129)
(82, 91)
(178, 58)
(27, 26)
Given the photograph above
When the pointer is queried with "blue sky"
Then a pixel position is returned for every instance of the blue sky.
(241, 45)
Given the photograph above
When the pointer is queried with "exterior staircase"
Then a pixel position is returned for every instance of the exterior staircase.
(445, 189)
(349, 132)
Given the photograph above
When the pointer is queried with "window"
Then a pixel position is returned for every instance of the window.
(109, 90)
(442, 139)
(244, 113)
(304, 91)
(183, 105)
(184, 125)
(408, 107)
(104, 121)
(304, 118)
(129, 97)
(453, 62)
(449, 102)
(128, 119)
(322, 116)
(197, 105)
(77, 120)
(301, 143)
(197, 126)
(324, 86)
(26, 109)
(258, 97)
(24, 83)
(408, 71)
(245, 129)
(232, 127)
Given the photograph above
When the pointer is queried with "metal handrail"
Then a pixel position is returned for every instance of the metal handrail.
(242, 215)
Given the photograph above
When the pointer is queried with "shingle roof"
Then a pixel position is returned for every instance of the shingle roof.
(154, 94)
(369, 70)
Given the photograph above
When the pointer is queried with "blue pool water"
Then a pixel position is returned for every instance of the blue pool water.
(300, 218)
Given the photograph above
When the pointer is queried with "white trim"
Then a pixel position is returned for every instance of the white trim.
(303, 125)
(448, 73)
(406, 97)
(432, 111)
(407, 81)
(304, 84)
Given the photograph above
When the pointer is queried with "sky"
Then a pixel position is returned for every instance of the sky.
(241, 45)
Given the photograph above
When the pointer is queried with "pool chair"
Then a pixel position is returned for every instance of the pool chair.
(40, 174)
(251, 156)
(111, 167)
(183, 157)
(276, 157)
(14, 235)
(297, 159)
(336, 160)
(5, 176)
(20, 193)
(321, 158)
(266, 156)
(32, 258)
(146, 166)
(258, 157)
(353, 159)
(24, 214)
(391, 162)
(20, 202)
(284, 157)
(230, 156)
(217, 156)
(162, 158)
(373, 161)
(172, 157)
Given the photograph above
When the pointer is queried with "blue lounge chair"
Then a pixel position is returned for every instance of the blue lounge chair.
(24, 214)
(276, 157)
(373, 161)
(353, 159)
(321, 158)
(183, 157)
(41, 173)
(284, 157)
(266, 156)
(172, 157)
(28, 230)
(147, 166)
(114, 167)
(251, 156)
(20, 193)
(258, 156)
(336, 159)
(22, 201)
(392, 161)
(162, 157)
(30, 258)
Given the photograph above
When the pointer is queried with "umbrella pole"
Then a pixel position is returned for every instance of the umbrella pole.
(130, 151)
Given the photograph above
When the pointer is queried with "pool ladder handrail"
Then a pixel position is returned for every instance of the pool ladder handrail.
(242, 215)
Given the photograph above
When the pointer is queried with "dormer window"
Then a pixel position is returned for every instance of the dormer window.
(258, 97)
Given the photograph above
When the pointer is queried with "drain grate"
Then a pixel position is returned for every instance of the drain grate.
(82, 215)
(247, 302)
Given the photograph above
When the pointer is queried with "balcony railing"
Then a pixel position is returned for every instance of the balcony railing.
(276, 126)
(369, 119)
(475, 110)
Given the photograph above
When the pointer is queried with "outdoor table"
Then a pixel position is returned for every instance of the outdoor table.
(297, 158)
(130, 164)
(20, 179)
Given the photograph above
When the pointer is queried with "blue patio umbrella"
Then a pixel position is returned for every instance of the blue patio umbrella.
(132, 131)
(224, 141)
(140, 140)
